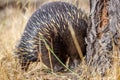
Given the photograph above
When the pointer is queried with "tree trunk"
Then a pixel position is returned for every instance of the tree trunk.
(103, 36)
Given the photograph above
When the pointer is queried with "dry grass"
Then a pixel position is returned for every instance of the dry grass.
(12, 24)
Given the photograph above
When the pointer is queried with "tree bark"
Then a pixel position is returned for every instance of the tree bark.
(103, 36)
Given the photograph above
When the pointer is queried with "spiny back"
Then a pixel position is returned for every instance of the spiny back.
(51, 21)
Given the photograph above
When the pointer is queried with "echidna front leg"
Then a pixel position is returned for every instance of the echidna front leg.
(58, 48)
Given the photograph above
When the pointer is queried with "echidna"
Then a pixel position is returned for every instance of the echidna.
(48, 28)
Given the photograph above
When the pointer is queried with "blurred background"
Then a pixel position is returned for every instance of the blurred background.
(24, 4)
